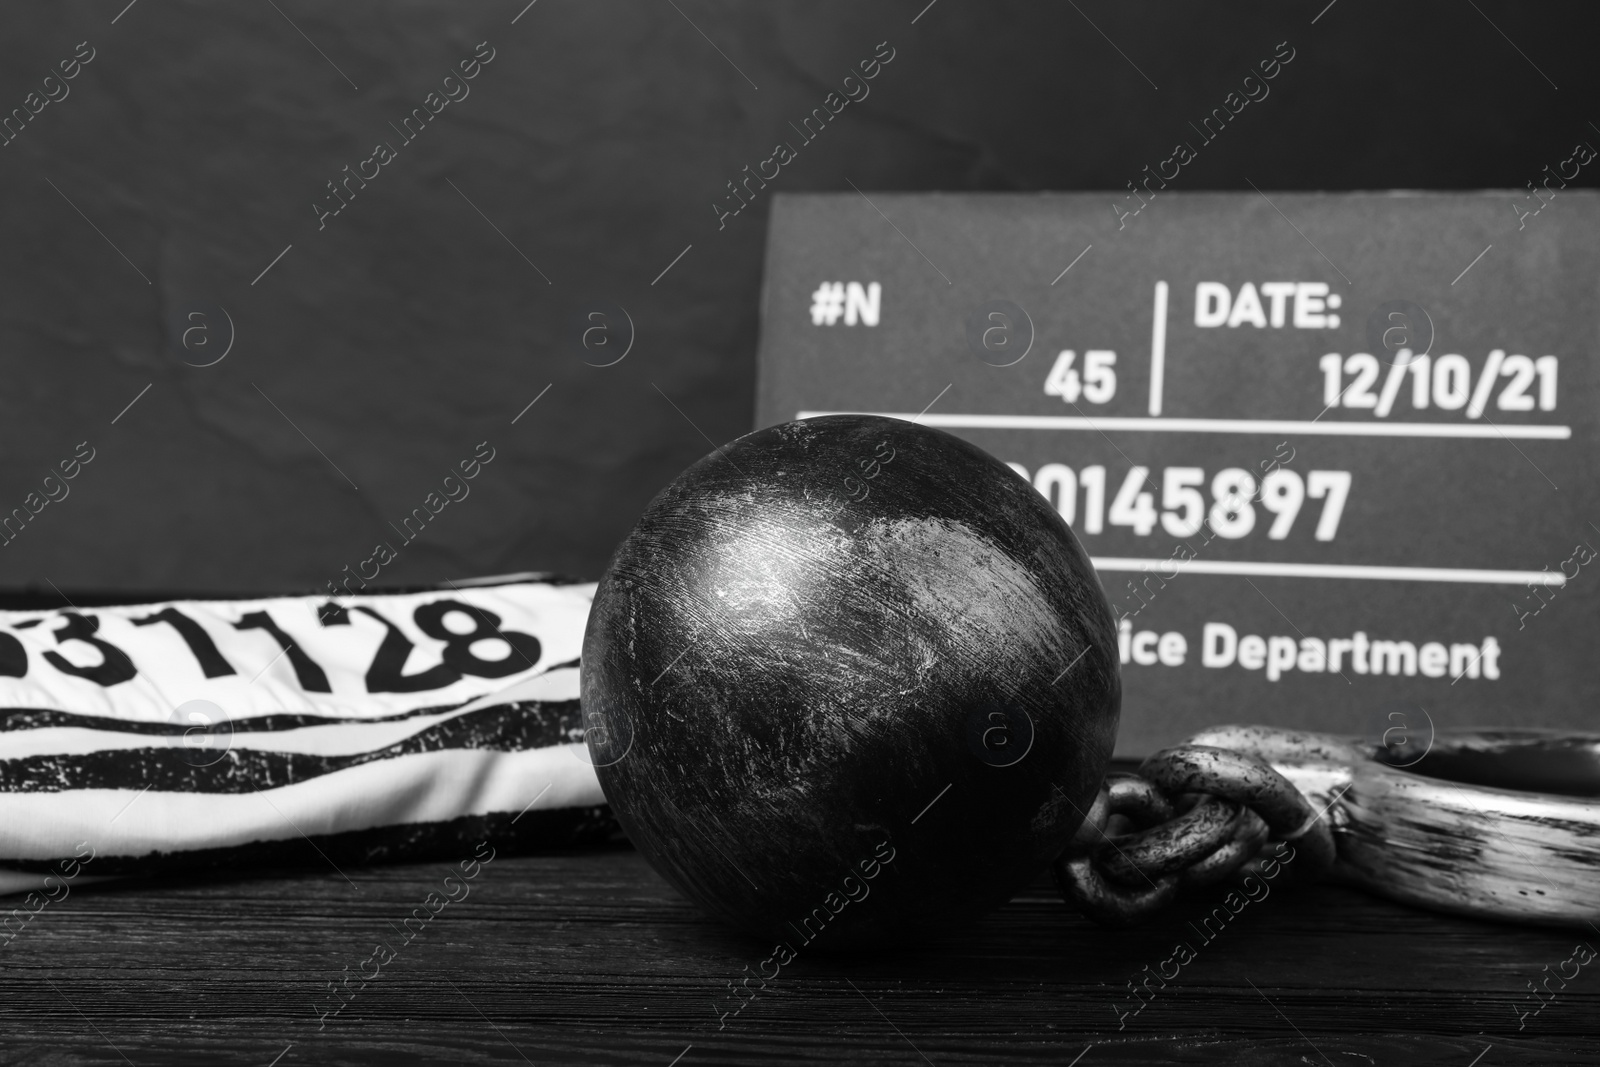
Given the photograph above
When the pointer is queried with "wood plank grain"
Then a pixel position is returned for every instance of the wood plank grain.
(591, 958)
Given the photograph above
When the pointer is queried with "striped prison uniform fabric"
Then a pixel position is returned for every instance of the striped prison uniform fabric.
(196, 734)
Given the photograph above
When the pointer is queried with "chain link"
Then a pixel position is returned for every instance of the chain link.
(1194, 815)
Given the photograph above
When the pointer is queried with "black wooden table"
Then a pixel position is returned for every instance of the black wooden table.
(591, 958)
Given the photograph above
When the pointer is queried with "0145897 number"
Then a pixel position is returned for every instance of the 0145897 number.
(1231, 510)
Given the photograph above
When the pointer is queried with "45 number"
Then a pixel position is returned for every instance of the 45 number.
(1098, 383)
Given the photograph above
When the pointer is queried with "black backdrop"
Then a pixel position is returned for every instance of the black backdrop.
(380, 350)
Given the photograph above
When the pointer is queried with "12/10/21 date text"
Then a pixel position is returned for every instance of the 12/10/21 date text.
(1445, 382)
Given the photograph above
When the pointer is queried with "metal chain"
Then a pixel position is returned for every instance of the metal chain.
(1198, 815)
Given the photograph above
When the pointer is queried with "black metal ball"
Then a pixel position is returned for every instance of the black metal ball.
(850, 681)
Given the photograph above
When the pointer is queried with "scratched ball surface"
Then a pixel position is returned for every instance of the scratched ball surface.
(850, 681)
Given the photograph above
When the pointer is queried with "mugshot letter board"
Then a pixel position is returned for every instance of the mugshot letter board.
(1331, 453)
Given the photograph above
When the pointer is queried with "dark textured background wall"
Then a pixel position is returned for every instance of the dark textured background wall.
(377, 352)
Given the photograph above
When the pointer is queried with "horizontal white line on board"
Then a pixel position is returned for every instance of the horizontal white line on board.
(1332, 570)
(1272, 426)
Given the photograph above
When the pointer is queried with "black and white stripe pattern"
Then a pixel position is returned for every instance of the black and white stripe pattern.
(212, 733)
